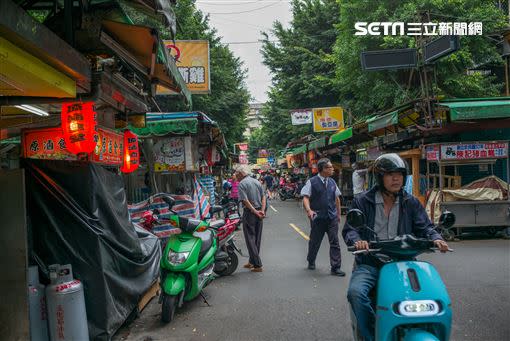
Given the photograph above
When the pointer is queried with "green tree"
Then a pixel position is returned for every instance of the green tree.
(302, 66)
(368, 92)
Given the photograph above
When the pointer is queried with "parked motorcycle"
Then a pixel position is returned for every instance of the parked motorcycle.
(188, 261)
(288, 192)
(226, 233)
(411, 300)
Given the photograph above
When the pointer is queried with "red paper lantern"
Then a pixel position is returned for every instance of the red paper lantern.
(131, 152)
(79, 127)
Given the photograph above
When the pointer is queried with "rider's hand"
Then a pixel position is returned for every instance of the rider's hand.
(441, 245)
(311, 214)
(361, 245)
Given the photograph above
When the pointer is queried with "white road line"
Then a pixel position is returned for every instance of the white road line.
(273, 208)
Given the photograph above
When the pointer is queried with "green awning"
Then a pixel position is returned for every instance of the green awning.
(466, 110)
(162, 128)
(340, 136)
(317, 143)
(384, 121)
(12, 140)
(298, 150)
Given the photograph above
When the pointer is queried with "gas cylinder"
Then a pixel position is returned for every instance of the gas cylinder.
(37, 306)
(67, 316)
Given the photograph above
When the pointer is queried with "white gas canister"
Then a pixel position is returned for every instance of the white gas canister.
(67, 316)
(37, 306)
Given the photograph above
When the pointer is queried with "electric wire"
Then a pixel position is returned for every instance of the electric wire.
(247, 11)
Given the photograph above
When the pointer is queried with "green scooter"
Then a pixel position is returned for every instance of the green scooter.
(188, 261)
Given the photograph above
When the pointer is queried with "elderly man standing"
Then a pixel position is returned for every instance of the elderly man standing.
(321, 199)
(252, 196)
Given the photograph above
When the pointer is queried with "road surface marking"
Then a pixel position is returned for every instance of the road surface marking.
(298, 230)
(273, 208)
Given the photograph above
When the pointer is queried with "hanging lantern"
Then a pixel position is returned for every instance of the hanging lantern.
(79, 127)
(131, 153)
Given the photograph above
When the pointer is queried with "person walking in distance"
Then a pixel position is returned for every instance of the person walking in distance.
(253, 198)
(321, 200)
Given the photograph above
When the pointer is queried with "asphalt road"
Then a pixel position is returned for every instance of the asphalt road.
(289, 302)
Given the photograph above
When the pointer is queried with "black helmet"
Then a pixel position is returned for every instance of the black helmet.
(389, 163)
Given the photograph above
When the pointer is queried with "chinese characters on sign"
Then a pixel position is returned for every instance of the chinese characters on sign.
(328, 119)
(301, 116)
(243, 158)
(474, 151)
(432, 153)
(419, 29)
(192, 60)
(49, 144)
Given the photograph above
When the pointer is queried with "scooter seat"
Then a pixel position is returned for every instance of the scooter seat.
(217, 224)
(207, 239)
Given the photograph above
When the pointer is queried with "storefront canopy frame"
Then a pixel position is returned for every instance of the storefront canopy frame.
(298, 150)
(341, 136)
(316, 144)
(478, 108)
(383, 121)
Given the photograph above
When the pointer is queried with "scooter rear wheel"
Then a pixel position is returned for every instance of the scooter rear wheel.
(168, 307)
(232, 262)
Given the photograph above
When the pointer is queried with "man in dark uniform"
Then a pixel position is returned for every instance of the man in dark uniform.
(321, 199)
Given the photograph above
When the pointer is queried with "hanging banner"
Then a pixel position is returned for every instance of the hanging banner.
(301, 116)
(243, 159)
(169, 155)
(192, 60)
(328, 119)
(109, 147)
(263, 153)
(262, 161)
(474, 151)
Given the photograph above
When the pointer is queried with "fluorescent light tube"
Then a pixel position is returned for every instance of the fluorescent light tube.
(32, 109)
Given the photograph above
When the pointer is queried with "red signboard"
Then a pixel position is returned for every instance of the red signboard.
(49, 143)
(109, 148)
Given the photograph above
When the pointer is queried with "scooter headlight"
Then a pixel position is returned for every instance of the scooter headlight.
(176, 258)
(418, 308)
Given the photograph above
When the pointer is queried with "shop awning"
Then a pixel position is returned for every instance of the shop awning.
(341, 136)
(315, 144)
(479, 109)
(166, 127)
(142, 48)
(383, 121)
(298, 150)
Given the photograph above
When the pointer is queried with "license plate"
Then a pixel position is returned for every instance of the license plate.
(234, 216)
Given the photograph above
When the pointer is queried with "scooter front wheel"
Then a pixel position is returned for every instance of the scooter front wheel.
(168, 307)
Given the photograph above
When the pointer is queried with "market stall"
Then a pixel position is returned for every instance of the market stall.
(481, 204)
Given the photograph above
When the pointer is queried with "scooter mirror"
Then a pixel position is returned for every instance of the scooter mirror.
(356, 218)
(447, 219)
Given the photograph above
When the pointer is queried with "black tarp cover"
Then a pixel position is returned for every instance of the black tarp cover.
(78, 215)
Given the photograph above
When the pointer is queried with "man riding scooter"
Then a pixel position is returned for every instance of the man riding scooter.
(391, 212)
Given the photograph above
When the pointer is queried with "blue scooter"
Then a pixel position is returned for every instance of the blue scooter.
(411, 301)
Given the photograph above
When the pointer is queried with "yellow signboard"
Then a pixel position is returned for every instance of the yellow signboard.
(261, 160)
(328, 119)
(192, 60)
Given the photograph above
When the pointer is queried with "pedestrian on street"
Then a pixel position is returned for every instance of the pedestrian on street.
(321, 200)
(253, 198)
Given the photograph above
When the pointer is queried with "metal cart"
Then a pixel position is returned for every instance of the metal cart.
(490, 216)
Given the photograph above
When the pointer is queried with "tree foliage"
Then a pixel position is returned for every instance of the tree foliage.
(302, 67)
(316, 61)
(368, 92)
